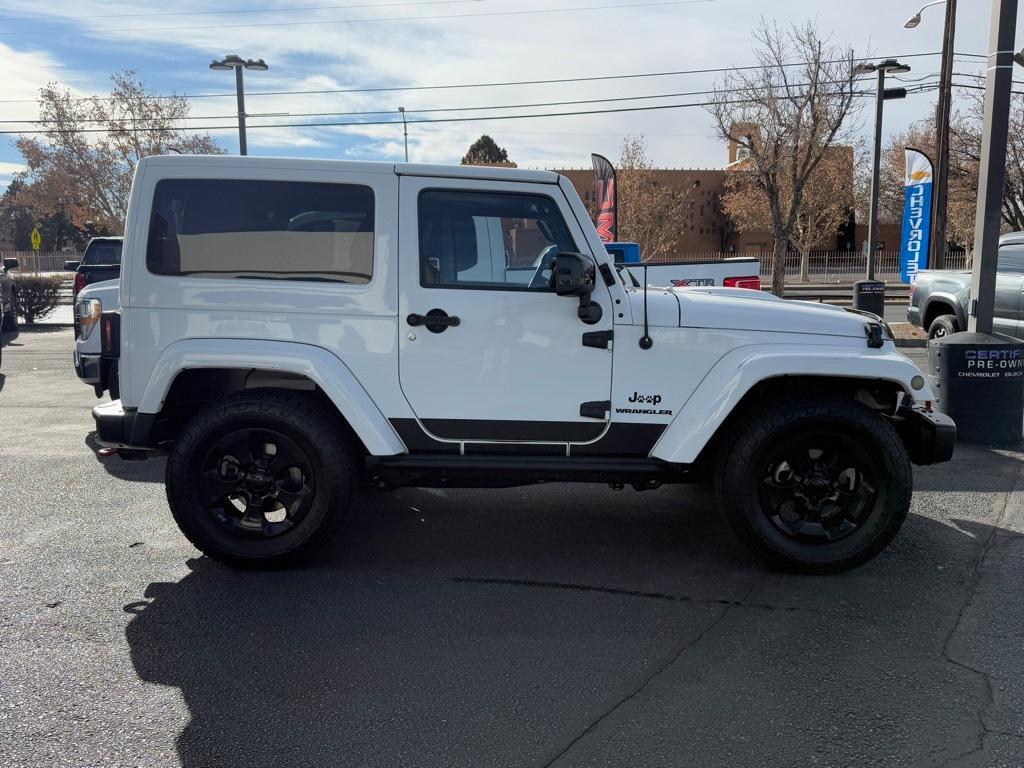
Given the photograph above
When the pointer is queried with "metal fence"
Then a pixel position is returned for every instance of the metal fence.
(825, 266)
(41, 262)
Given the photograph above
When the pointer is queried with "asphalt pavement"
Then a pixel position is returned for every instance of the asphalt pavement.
(550, 625)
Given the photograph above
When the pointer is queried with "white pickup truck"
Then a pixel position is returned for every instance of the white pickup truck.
(289, 329)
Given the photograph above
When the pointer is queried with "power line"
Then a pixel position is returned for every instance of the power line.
(106, 31)
(454, 86)
(427, 110)
(370, 123)
(235, 10)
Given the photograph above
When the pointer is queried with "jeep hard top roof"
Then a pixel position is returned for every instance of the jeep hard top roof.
(491, 173)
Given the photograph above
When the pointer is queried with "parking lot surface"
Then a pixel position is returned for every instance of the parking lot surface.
(550, 625)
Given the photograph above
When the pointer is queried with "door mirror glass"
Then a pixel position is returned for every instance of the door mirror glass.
(572, 275)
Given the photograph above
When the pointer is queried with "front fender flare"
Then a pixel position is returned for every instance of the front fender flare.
(326, 370)
(737, 372)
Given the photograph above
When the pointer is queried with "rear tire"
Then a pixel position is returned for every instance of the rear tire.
(943, 325)
(261, 478)
(816, 484)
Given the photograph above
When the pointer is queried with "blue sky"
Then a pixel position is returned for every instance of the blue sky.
(316, 44)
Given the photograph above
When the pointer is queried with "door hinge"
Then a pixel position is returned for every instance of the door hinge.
(595, 409)
(598, 339)
(606, 273)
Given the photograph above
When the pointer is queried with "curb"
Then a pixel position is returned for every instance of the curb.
(916, 343)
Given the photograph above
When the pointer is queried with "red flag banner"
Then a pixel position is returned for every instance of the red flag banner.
(607, 202)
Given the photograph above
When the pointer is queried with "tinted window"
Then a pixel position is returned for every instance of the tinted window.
(103, 252)
(261, 229)
(489, 239)
(1011, 259)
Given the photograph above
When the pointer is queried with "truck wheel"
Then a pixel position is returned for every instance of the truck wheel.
(260, 478)
(943, 325)
(818, 484)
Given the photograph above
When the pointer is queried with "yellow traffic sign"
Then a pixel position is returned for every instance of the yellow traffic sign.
(37, 239)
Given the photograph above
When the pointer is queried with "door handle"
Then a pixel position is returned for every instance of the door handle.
(435, 321)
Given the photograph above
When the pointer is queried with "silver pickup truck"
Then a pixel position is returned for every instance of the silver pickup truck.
(939, 297)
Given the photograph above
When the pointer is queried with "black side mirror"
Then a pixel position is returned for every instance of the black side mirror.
(573, 274)
(10, 264)
(71, 266)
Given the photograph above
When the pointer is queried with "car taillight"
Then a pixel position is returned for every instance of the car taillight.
(110, 334)
(79, 283)
(753, 283)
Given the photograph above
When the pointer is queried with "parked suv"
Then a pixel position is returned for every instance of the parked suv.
(291, 328)
(8, 295)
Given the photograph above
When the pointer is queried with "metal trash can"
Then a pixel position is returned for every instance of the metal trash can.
(979, 381)
(869, 296)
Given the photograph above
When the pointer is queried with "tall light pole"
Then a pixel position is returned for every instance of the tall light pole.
(405, 133)
(869, 294)
(237, 63)
(942, 110)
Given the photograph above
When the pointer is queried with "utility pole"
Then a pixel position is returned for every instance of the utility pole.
(938, 239)
(998, 85)
(876, 158)
(405, 133)
(939, 204)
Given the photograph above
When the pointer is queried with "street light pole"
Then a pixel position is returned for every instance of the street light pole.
(243, 148)
(875, 165)
(237, 63)
(998, 86)
(869, 294)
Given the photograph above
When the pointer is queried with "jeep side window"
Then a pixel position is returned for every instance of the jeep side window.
(489, 240)
(1011, 259)
(237, 228)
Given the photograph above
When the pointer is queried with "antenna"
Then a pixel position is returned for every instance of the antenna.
(646, 342)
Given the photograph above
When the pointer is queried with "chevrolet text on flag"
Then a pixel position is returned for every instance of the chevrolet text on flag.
(607, 199)
(917, 214)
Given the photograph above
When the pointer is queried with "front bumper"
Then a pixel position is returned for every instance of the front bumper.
(118, 428)
(928, 435)
(914, 315)
(89, 368)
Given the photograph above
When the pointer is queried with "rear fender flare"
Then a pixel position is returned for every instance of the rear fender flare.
(326, 370)
(945, 298)
(740, 370)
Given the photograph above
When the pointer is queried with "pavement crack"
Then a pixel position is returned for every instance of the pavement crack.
(591, 727)
(988, 696)
(688, 599)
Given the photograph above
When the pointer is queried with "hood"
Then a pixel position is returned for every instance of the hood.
(744, 309)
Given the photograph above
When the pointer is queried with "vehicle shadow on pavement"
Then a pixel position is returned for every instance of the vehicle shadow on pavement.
(458, 628)
(149, 471)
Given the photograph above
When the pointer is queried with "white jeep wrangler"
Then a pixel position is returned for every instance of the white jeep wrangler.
(289, 329)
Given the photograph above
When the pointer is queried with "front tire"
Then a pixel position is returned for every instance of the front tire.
(942, 326)
(260, 478)
(817, 484)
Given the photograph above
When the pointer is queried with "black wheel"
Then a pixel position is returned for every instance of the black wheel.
(260, 478)
(818, 484)
(943, 325)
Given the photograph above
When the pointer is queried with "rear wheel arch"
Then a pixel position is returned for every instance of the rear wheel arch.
(937, 307)
(194, 388)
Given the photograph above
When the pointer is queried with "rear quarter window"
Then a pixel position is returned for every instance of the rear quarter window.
(238, 228)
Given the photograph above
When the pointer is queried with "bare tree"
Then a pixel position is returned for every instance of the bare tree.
(784, 116)
(85, 161)
(649, 213)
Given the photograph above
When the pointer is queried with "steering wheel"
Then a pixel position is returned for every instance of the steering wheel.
(542, 264)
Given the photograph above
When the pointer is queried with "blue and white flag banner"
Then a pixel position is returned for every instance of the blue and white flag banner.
(917, 214)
